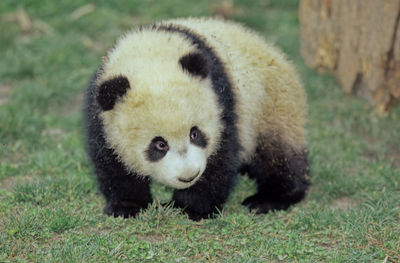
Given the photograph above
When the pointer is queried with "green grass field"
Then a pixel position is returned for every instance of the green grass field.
(51, 210)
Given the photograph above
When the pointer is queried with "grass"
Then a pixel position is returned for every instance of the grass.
(51, 211)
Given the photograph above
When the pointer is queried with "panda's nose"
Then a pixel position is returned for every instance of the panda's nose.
(188, 180)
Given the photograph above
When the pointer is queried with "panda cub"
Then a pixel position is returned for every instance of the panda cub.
(191, 103)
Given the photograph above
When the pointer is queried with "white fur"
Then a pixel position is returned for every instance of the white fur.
(178, 164)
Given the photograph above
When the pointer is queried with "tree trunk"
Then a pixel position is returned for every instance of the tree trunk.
(358, 40)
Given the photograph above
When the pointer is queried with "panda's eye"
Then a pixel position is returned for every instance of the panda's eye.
(157, 149)
(193, 134)
(161, 146)
(197, 137)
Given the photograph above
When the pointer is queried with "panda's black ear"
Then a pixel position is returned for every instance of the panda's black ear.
(110, 90)
(195, 64)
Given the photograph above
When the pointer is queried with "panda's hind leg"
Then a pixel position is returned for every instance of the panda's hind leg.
(281, 173)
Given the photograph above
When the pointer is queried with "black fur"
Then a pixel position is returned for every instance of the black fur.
(126, 193)
(282, 176)
(111, 90)
(195, 64)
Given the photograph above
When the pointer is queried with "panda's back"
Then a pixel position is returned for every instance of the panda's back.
(268, 93)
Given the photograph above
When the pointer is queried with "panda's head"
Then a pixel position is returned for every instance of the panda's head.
(159, 111)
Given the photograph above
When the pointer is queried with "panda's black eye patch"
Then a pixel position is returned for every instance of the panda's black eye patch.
(110, 90)
(157, 149)
(195, 64)
(197, 137)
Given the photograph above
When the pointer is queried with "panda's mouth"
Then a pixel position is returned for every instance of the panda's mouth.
(190, 179)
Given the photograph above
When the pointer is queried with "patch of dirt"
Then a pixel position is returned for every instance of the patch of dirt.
(11, 182)
(394, 156)
(343, 203)
(53, 133)
(5, 91)
(225, 9)
(76, 105)
(390, 154)
(370, 155)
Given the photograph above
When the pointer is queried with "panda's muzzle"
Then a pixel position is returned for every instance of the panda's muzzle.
(188, 180)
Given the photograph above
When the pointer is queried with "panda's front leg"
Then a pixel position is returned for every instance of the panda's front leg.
(125, 193)
(210, 192)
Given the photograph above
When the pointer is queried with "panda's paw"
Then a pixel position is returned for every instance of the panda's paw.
(198, 216)
(194, 215)
(123, 209)
(260, 204)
